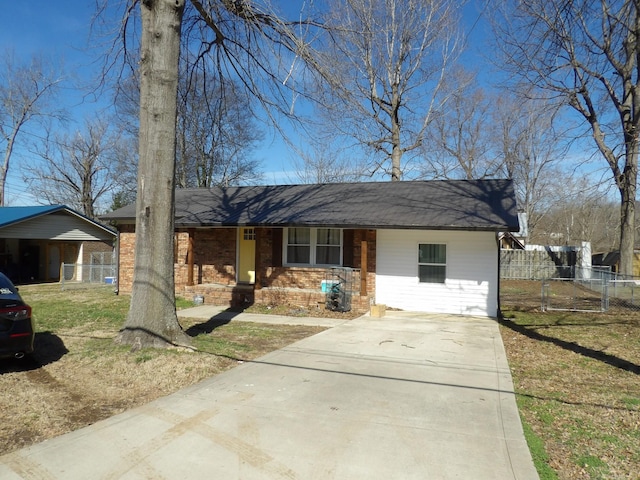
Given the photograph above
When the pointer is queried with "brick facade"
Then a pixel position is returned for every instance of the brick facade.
(214, 264)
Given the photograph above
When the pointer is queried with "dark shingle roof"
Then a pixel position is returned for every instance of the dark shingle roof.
(436, 204)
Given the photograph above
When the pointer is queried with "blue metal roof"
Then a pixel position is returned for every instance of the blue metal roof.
(10, 215)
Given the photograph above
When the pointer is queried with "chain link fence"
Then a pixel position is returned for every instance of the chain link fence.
(101, 271)
(590, 289)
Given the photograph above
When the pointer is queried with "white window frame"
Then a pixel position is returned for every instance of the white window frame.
(313, 244)
(445, 264)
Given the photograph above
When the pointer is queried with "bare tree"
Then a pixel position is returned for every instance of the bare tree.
(76, 170)
(125, 159)
(317, 164)
(579, 212)
(216, 133)
(216, 128)
(532, 150)
(233, 33)
(586, 53)
(387, 61)
(460, 143)
(27, 92)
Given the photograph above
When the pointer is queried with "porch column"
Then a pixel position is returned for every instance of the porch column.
(257, 284)
(363, 264)
(191, 233)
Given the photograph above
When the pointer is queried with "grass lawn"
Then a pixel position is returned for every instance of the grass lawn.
(79, 375)
(577, 379)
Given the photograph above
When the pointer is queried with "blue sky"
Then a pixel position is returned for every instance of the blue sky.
(60, 30)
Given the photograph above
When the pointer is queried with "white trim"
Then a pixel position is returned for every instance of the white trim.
(313, 244)
(446, 262)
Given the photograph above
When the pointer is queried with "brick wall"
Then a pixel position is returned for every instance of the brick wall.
(126, 244)
(214, 269)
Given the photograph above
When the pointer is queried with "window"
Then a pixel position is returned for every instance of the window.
(328, 246)
(249, 234)
(432, 263)
(314, 246)
(299, 245)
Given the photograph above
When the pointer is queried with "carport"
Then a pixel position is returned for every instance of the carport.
(35, 240)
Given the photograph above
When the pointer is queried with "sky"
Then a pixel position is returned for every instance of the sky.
(60, 30)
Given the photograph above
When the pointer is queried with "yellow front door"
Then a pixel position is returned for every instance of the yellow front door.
(247, 255)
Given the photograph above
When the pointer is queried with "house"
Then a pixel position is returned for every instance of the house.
(418, 245)
(515, 240)
(36, 240)
(611, 260)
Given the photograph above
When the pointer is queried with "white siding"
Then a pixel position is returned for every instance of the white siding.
(471, 286)
(56, 226)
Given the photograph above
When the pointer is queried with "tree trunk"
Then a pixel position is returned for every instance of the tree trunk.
(5, 166)
(152, 319)
(627, 212)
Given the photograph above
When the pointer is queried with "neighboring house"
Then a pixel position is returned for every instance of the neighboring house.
(428, 246)
(516, 240)
(612, 261)
(35, 240)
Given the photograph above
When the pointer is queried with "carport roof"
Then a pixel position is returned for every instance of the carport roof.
(488, 205)
(10, 215)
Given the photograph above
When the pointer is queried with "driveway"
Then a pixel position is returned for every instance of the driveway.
(409, 396)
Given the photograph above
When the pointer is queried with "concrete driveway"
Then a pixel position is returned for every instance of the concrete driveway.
(406, 396)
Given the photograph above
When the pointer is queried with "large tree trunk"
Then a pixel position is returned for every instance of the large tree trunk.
(627, 186)
(152, 319)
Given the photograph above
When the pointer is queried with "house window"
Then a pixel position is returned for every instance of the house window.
(249, 234)
(328, 246)
(432, 263)
(313, 246)
(299, 245)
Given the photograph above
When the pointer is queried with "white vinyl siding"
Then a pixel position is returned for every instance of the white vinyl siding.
(471, 283)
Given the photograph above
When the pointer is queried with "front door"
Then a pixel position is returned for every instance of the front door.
(247, 255)
(54, 256)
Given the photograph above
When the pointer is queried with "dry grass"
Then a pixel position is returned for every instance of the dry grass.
(577, 376)
(79, 376)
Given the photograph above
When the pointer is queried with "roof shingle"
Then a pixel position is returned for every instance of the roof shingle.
(435, 204)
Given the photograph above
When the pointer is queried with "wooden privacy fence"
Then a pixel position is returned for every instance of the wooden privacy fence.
(536, 264)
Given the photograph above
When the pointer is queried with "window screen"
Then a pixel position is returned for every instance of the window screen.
(432, 263)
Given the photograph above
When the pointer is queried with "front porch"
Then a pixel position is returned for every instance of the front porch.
(243, 295)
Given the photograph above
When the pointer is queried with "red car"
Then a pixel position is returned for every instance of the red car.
(16, 325)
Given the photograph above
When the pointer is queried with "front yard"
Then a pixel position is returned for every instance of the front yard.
(577, 379)
(79, 376)
(577, 375)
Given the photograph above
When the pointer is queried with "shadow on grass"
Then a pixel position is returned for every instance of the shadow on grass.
(48, 348)
(572, 346)
(214, 322)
